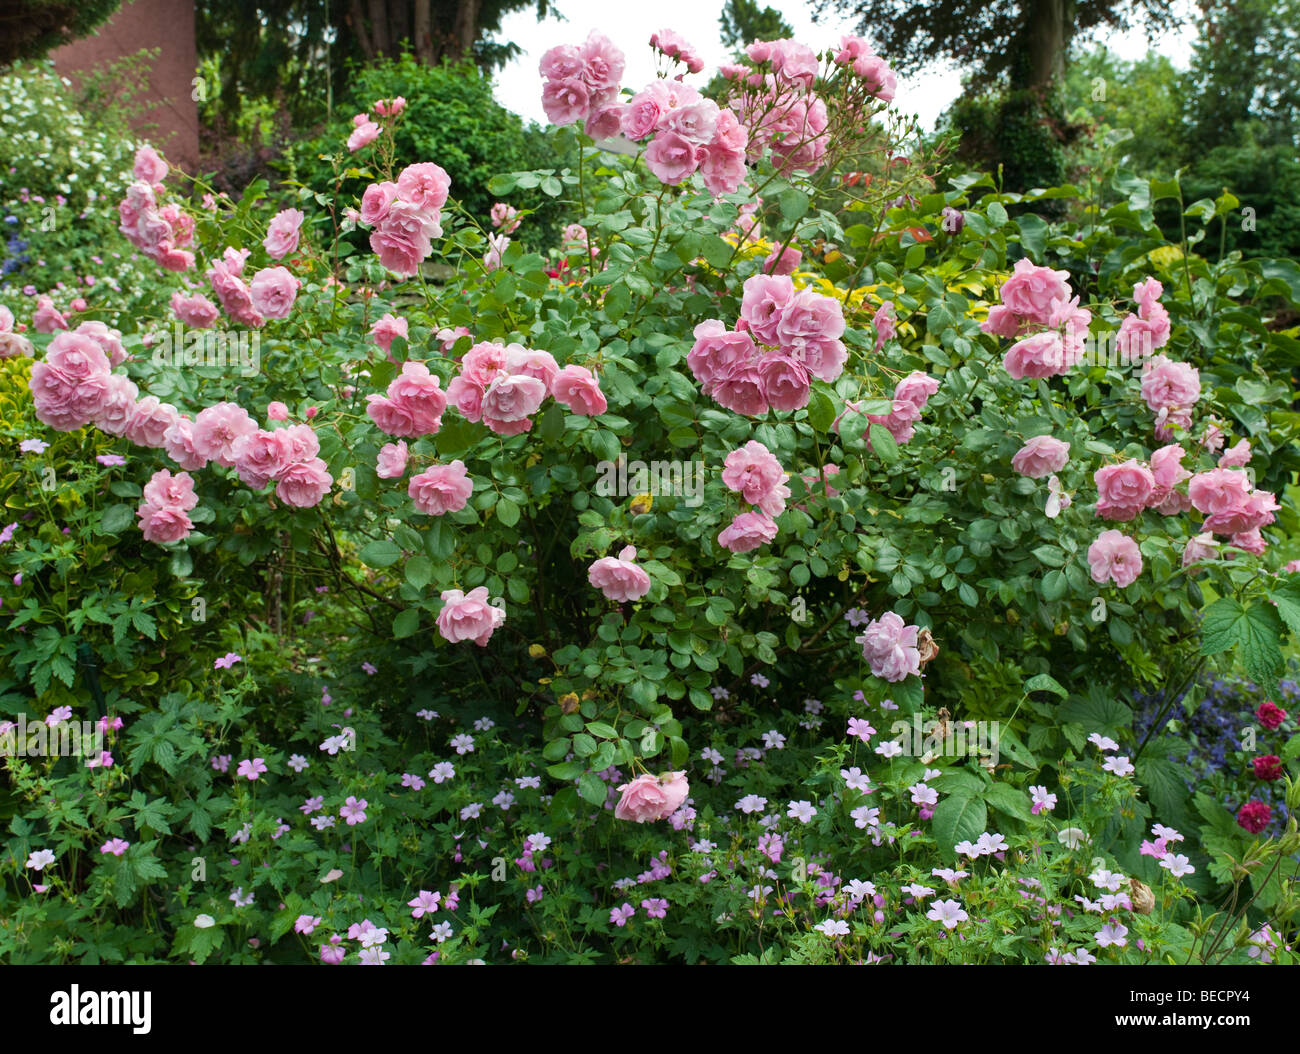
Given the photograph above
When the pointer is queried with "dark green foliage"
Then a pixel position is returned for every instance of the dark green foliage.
(30, 28)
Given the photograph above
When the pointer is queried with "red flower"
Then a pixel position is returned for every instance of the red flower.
(1270, 716)
(1267, 767)
(1254, 816)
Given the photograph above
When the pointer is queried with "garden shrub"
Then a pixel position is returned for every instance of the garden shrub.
(858, 684)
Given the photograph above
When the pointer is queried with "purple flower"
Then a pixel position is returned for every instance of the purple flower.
(226, 661)
(251, 769)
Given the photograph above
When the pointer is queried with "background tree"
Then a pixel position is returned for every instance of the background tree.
(30, 28)
(302, 51)
(743, 21)
(1023, 43)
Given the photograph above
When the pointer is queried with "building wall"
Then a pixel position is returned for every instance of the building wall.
(167, 25)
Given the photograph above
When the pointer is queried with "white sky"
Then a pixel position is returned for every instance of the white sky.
(629, 25)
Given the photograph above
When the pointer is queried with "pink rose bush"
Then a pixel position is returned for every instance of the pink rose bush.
(167, 501)
(753, 472)
(161, 232)
(406, 216)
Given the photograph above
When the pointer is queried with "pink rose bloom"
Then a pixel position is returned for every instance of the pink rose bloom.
(503, 216)
(1002, 322)
(163, 525)
(1252, 541)
(217, 427)
(1138, 338)
(530, 363)
(1041, 456)
(716, 350)
(696, 122)
(1250, 514)
(465, 394)
(304, 483)
(741, 390)
(48, 318)
(404, 237)
(763, 303)
(753, 472)
(884, 323)
(565, 101)
(376, 201)
(1200, 547)
(425, 186)
(723, 170)
(447, 337)
(916, 388)
(468, 616)
(6, 320)
(149, 167)
(642, 114)
(149, 422)
(234, 259)
(604, 122)
(277, 411)
(748, 531)
(561, 63)
(648, 798)
(602, 63)
(392, 459)
(1146, 293)
(899, 422)
(510, 402)
(879, 78)
(577, 388)
(1114, 557)
(672, 158)
(72, 383)
(1038, 355)
(419, 392)
(273, 291)
(178, 442)
(1167, 471)
(1237, 456)
(619, 578)
(787, 263)
(233, 294)
(890, 647)
(441, 489)
(114, 412)
(1218, 490)
(282, 233)
(108, 339)
(784, 380)
(807, 324)
(363, 135)
(1212, 438)
(1168, 384)
(164, 489)
(1030, 290)
(261, 456)
(1123, 490)
(196, 311)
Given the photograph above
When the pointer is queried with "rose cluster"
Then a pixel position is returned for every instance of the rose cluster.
(270, 294)
(776, 102)
(581, 83)
(855, 54)
(673, 45)
(910, 396)
(1141, 334)
(159, 232)
(406, 216)
(691, 133)
(783, 337)
(754, 473)
(1171, 389)
(164, 512)
(1050, 326)
(503, 386)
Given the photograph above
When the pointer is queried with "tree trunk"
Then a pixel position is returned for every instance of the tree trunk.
(1048, 31)
(356, 21)
(379, 27)
(423, 33)
(464, 29)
